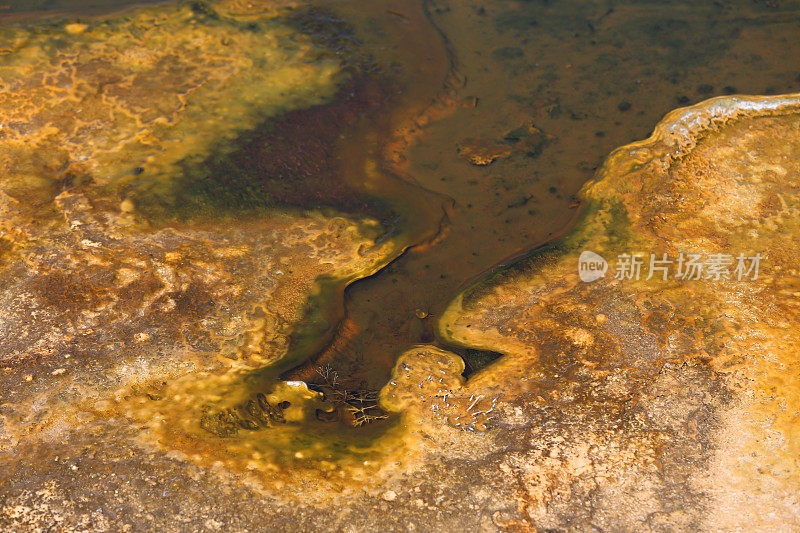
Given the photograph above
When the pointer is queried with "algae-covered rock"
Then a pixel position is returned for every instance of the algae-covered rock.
(129, 104)
(117, 286)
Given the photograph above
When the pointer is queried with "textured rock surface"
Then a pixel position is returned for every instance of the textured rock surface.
(103, 303)
(649, 405)
(679, 396)
(620, 405)
(129, 103)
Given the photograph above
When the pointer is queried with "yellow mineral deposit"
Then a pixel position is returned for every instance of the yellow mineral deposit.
(153, 347)
(144, 93)
(100, 118)
(89, 108)
(717, 178)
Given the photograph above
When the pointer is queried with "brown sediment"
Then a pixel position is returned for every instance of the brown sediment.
(428, 95)
(482, 151)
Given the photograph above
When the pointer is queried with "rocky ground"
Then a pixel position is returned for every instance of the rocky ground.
(623, 403)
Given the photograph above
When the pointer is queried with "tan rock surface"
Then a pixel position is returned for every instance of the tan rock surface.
(681, 394)
(617, 404)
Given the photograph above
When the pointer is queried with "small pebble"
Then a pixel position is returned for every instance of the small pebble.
(76, 28)
(127, 206)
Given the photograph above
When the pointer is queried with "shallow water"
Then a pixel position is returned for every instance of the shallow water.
(167, 286)
(591, 76)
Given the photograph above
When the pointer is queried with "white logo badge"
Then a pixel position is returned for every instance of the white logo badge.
(591, 266)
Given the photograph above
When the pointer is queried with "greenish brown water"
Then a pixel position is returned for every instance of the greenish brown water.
(591, 76)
